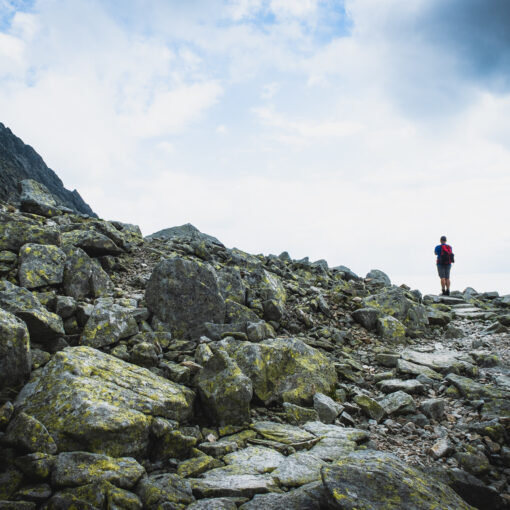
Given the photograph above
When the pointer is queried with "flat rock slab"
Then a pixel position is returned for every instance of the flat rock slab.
(286, 434)
(334, 431)
(377, 480)
(332, 448)
(441, 361)
(411, 386)
(72, 469)
(89, 400)
(232, 486)
(472, 389)
(298, 469)
(407, 367)
(260, 458)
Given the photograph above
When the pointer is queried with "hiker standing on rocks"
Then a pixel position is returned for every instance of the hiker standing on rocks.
(445, 259)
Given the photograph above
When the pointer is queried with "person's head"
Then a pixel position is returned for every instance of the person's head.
(443, 239)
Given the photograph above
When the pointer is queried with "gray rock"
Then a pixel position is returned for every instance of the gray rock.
(391, 329)
(379, 276)
(107, 324)
(29, 434)
(377, 480)
(225, 392)
(79, 468)
(92, 401)
(282, 433)
(35, 198)
(15, 231)
(15, 357)
(259, 330)
(398, 403)
(433, 408)
(40, 265)
(259, 458)
(297, 415)
(442, 361)
(213, 504)
(43, 325)
(370, 407)
(284, 369)
(164, 491)
(335, 431)
(233, 486)
(83, 276)
(185, 232)
(332, 448)
(185, 295)
(441, 448)
(367, 317)
(65, 306)
(411, 386)
(298, 469)
(231, 285)
(409, 368)
(92, 242)
(326, 407)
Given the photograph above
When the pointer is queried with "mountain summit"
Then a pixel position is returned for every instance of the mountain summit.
(19, 161)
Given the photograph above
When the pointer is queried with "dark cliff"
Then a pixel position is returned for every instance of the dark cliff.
(19, 161)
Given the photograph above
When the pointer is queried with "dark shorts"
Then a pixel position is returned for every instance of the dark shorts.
(444, 271)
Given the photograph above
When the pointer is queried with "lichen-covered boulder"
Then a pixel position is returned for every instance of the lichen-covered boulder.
(131, 233)
(231, 285)
(15, 358)
(266, 286)
(376, 480)
(15, 231)
(89, 400)
(83, 276)
(40, 265)
(393, 301)
(43, 325)
(108, 323)
(225, 392)
(36, 198)
(92, 242)
(284, 369)
(367, 317)
(79, 468)
(378, 276)
(29, 434)
(185, 295)
(164, 491)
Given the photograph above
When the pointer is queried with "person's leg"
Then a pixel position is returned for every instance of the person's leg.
(443, 285)
(447, 280)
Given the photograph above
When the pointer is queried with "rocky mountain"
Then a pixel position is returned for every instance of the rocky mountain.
(174, 373)
(19, 161)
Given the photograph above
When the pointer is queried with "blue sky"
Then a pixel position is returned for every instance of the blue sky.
(357, 131)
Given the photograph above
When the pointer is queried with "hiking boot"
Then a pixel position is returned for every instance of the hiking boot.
(447, 293)
(443, 292)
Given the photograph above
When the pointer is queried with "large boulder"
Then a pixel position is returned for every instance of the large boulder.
(43, 325)
(284, 369)
(40, 265)
(83, 276)
(225, 392)
(185, 295)
(108, 323)
(376, 480)
(15, 231)
(89, 400)
(15, 358)
(378, 276)
(92, 242)
(393, 301)
(35, 198)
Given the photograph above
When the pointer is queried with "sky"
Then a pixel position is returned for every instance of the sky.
(355, 131)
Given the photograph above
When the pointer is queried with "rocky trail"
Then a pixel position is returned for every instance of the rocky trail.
(172, 372)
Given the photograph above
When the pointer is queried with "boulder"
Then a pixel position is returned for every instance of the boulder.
(367, 317)
(391, 329)
(258, 458)
(394, 301)
(284, 369)
(92, 242)
(186, 232)
(225, 392)
(370, 407)
(378, 276)
(35, 198)
(79, 468)
(42, 325)
(185, 295)
(326, 407)
(40, 265)
(83, 276)
(162, 491)
(298, 469)
(89, 400)
(398, 403)
(370, 479)
(15, 231)
(108, 323)
(29, 434)
(15, 358)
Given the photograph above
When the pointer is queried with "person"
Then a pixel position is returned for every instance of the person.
(445, 259)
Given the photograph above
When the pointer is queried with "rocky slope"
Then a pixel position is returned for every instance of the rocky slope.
(19, 162)
(175, 373)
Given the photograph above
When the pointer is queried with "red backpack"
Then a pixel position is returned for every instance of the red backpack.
(446, 255)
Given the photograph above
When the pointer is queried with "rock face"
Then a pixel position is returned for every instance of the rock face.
(15, 358)
(378, 480)
(93, 401)
(19, 161)
(185, 295)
